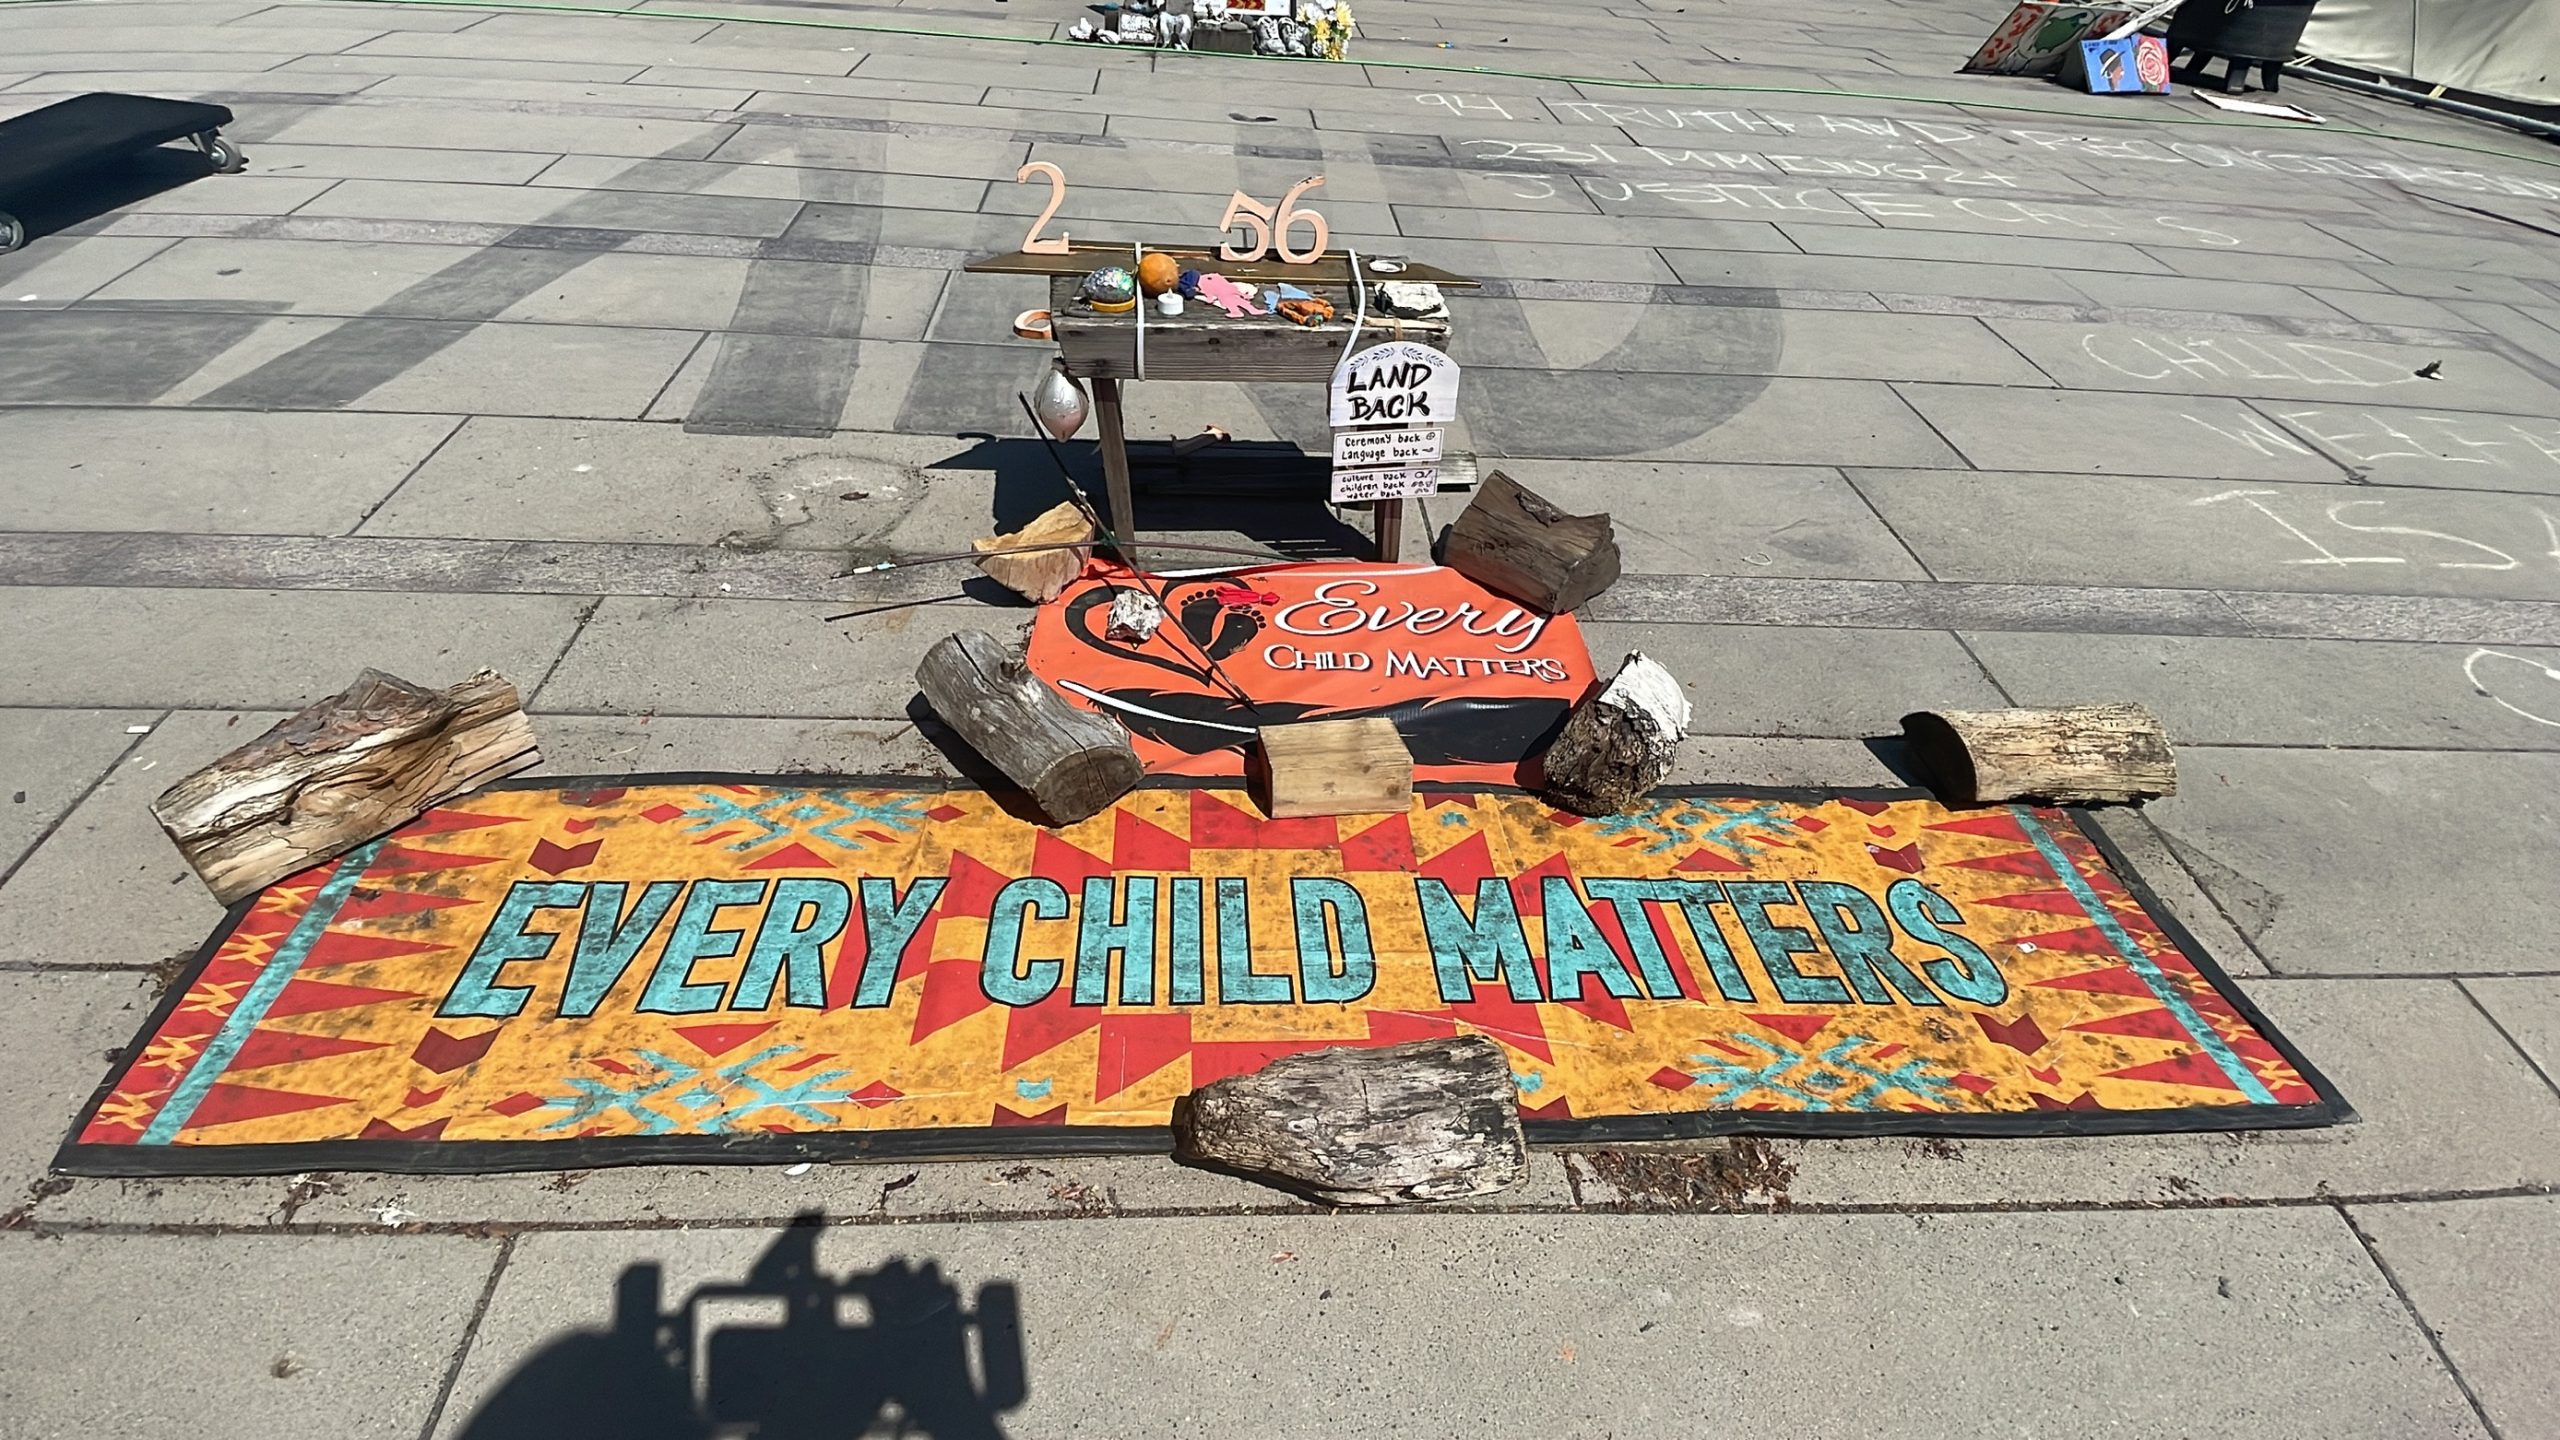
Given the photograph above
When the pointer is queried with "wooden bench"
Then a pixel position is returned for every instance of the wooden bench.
(44, 149)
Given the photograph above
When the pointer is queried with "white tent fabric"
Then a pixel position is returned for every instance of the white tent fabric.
(2509, 48)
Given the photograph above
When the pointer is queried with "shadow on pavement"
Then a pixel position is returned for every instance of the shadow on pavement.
(884, 1351)
(107, 187)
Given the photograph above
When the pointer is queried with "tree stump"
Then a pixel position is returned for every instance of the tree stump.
(1071, 762)
(1039, 576)
(2081, 754)
(1430, 1120)
(1618, 744)
(362, 763)
(1514, 541)
(1335, 767)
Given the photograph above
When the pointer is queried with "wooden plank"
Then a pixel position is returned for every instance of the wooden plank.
(2074, 755)
(359, 764)
(1391, 1125)
(1335, 767)
(1330, 268)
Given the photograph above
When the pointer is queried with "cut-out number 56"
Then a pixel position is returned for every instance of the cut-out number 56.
(1272, 228)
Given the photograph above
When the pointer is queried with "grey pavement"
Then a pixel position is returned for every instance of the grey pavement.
(588, 344)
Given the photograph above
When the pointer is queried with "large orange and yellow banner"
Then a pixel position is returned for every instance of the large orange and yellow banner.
(736, 968)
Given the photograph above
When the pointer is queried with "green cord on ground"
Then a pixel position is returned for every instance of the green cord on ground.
(2146, 117)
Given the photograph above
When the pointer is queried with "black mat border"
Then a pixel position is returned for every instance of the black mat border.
(488, 1157)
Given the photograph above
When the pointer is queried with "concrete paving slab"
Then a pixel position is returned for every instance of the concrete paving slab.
(2006, 429)
(48, 760)
(708, 96)
(2214, 360)
(2209, 533)
(2472, 1268)
(2016, 250)
(1724, 519)
(222, 472)
(2450, 447)
(549, 205)
(2213, 297)
(409, 64)
(771, 181)
(33, 42)
(232, 195)
(1746, 340)
(2281, 692)
(2471, 1117)
(646, 744)
(107, 888)
(1589, 1355)
(325, 277)
(2460, 285)
(592, 480)
(1853, 272)
(443, 367)
(2291, 842)
(2328, 275)
(104, 358)
(393, 162)
(2528, 1010)
(293, 1357)
(2384, 309)
(67, 1027)
(58, 270)
(285, 649)
(502, 130)
(689, 657)
(1831, 682)
(1734, 419)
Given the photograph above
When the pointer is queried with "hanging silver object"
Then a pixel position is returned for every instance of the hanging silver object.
(1060, 403)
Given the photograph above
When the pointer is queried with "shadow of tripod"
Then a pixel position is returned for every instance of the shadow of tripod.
(880, 1352)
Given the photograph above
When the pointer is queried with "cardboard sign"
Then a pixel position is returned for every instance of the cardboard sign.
(662, 968)
(1475, 682)
(1402, 382)
(2038, 37)
(1405, 483)
(1358, 449)
(2134, 65)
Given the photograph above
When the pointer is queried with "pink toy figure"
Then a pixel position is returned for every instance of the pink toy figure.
(1220, 291)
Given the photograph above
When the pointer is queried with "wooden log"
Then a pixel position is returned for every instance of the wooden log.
(2075, 755)
(1039, 576)
(1512, 540)
(362, 763)
(1335, 767)
(1071, 762)
(1619, 743)
(1429, 1120)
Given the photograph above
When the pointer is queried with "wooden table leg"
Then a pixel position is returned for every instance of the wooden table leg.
(1388, 519)
(1115, 467)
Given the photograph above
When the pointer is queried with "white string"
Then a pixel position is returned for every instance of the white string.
(1359, 310)
(1137, 261)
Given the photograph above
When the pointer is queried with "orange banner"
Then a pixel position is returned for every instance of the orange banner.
(1476, 683)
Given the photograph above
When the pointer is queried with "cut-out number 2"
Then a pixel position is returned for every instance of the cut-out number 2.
(1032, 244)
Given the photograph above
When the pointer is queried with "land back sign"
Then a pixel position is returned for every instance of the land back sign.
(617, 970)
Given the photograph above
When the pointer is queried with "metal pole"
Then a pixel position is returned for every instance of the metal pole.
(2426, 101)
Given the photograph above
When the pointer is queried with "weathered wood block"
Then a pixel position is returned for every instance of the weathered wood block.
(2078, 754)
(1335, 767)
(362, 763)
(1039, 576)
(1512, 540)
(1619, 743)
(1430, 1120)
(1071, 762)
